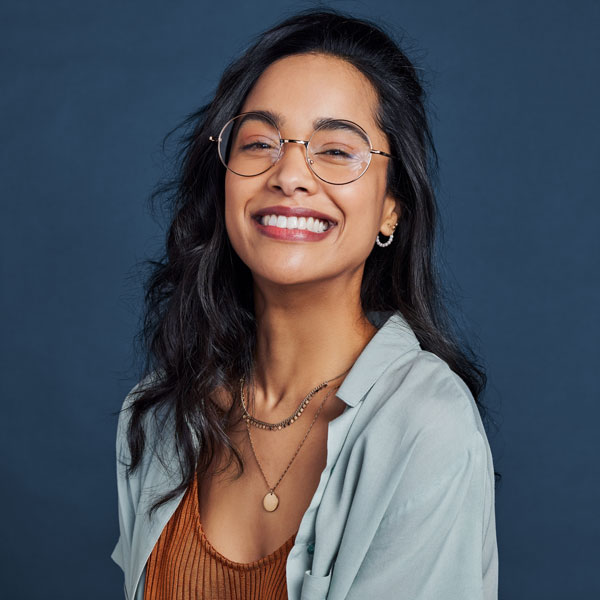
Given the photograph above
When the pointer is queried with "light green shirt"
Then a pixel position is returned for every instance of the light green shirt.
(404, 507)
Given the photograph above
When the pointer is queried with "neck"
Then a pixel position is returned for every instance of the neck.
(306, 335)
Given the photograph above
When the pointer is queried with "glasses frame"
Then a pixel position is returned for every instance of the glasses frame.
(305, 143)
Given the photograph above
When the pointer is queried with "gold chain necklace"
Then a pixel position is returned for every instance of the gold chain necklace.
(271, 500)
(291, 419)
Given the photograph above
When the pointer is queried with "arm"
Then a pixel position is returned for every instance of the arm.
(126, 497)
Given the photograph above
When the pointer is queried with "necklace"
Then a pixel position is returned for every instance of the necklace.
(271, 500)
(291, 419)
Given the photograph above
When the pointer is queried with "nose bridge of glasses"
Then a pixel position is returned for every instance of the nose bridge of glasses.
(292, 141)
(284, 141)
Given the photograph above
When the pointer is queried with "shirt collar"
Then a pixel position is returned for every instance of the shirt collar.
(393, 339)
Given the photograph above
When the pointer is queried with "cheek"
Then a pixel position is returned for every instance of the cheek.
(234, 211)
(238, 223)
(231, 194)
(234, 207)
(362, 211)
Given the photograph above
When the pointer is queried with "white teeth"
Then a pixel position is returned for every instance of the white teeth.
(310, 224)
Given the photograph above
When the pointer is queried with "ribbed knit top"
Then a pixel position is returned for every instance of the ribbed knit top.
(184, 565)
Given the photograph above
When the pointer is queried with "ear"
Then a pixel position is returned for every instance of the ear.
(390, 215)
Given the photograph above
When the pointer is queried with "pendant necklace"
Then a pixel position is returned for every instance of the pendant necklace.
(271, 500)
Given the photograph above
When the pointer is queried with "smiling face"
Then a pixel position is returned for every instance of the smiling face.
(287, 225)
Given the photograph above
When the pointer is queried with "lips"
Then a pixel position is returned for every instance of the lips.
(302, 223)
(294, 211)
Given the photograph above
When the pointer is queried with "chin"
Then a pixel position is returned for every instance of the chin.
(287, 278)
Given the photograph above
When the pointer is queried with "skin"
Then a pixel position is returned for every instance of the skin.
(310, 323)
(307, 298)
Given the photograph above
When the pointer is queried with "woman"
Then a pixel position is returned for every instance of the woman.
(308, 426)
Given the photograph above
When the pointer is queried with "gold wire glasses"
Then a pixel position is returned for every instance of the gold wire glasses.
(338, 151)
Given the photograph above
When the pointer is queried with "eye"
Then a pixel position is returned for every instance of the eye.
(335, 155)
(336, 152)
(256, 146)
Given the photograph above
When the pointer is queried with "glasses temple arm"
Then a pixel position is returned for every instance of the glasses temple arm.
(382, 153)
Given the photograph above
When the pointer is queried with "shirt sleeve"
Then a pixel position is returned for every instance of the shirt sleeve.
(441, 542)
(125, 494)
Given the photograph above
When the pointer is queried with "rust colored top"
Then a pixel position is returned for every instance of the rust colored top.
(184, 566)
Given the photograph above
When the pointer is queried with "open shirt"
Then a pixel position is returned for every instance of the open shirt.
(404, 507)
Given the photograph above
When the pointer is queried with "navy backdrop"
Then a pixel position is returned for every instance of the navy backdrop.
(88, 91)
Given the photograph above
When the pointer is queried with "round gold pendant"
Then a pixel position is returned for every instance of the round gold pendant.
(271, 501)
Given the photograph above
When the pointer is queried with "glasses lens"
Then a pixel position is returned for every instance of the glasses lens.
(340, 152)
(249, 144)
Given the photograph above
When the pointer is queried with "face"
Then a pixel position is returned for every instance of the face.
(302, 90)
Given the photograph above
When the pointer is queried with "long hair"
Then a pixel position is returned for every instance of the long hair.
(199, 328)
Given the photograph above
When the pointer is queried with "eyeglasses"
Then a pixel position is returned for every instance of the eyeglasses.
(338, 151)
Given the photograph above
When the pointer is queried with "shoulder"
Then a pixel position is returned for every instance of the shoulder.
(423, 418)
(422, 392)
(439, 397)
(149, 420)
(146, 382)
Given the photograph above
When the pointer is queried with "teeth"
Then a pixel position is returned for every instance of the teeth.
(310, 224)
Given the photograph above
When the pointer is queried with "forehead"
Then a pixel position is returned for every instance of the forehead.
(303, 89)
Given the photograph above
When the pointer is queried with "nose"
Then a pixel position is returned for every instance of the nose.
(291, 172)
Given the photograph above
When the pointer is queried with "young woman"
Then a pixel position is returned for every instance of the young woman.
(308, 427)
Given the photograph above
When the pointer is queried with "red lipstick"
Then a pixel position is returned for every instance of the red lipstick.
(295, 234)
(294, 211)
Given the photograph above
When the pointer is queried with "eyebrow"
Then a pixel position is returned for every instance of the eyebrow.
(269, 114)
(330, 123)
(326, 122)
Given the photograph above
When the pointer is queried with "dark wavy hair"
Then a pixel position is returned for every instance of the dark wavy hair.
(199, 328)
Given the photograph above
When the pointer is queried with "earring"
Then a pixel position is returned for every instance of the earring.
(384, 244)
(389, 240)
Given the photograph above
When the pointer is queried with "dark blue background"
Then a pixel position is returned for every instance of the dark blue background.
(88, 91)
